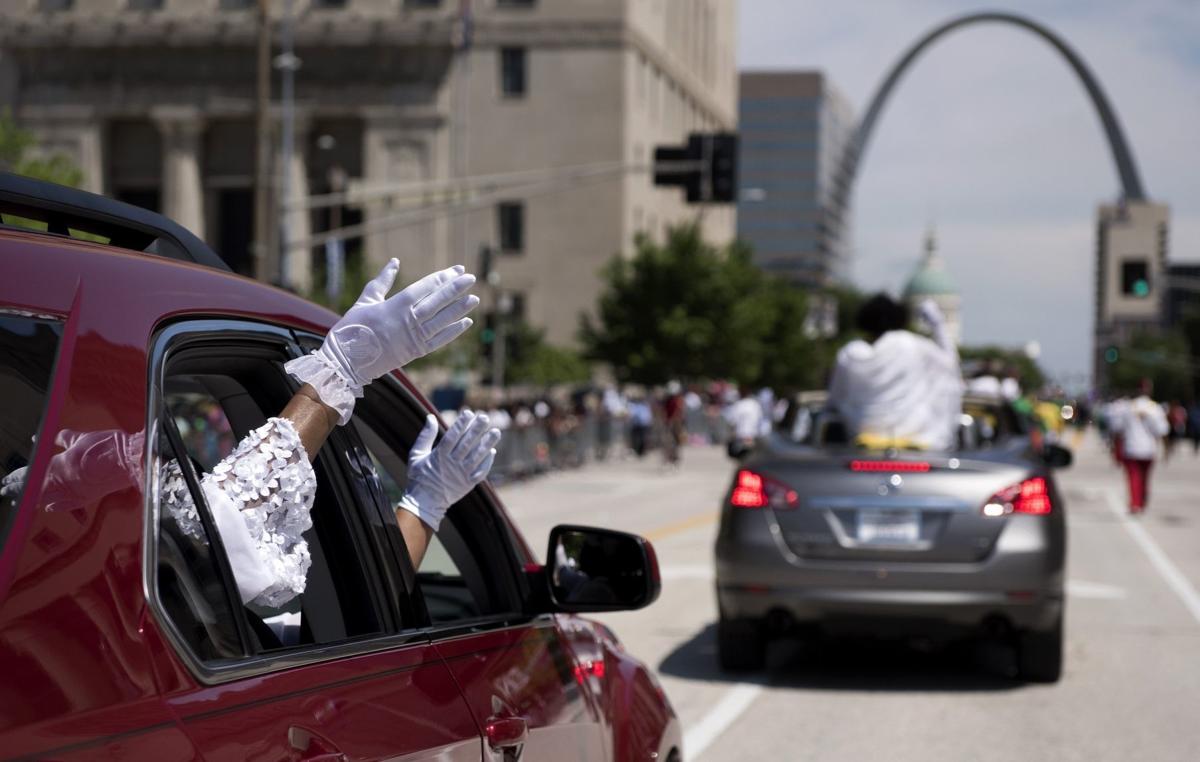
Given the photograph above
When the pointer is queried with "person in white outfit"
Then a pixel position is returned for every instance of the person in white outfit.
(1141, 424)
(746, 419)
(899, 389)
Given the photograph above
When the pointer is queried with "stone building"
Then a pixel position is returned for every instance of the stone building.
(156, 101)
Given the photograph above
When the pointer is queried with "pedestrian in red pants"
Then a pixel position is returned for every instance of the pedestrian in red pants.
(1138, 474)
(1141, 424)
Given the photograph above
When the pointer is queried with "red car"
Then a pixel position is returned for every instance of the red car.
(122, 637)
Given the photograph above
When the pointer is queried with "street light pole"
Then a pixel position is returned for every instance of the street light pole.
(287, 62)
(264, 248)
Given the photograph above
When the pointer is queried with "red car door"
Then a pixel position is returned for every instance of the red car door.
(340, 672)
(516, 672)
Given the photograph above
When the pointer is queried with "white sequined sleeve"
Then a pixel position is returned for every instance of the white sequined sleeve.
(260, 498)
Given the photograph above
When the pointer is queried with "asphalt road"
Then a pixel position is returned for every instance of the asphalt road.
(1131, 686)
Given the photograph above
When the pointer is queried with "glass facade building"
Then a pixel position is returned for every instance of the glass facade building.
(794, 128)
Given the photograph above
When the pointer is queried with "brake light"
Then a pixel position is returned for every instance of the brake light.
(757, 491)
(1031, 496)
(891, 466)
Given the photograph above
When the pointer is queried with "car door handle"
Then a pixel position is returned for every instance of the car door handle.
(311, 747)
(506, 732)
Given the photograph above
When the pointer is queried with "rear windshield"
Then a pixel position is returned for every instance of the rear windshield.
(28, 346)
(983, 423)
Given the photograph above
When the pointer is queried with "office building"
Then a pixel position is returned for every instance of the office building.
(794, 127)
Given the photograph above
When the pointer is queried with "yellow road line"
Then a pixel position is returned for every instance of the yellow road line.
(692, 522)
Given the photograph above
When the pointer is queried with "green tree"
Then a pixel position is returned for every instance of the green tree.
(1163, 358)
(18, 154)
(680, 310)
(1029, 373)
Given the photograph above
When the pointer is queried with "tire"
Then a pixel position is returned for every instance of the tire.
(741, 646)
(1040, 655)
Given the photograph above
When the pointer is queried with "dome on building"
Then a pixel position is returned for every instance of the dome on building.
(930, 278)
(931, 281)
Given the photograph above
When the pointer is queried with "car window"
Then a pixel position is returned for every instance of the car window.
(460, 577)
(191, 590)
(28, 347)
(215, 397)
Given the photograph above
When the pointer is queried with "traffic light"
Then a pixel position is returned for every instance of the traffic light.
(705, 167)
(1111, 355)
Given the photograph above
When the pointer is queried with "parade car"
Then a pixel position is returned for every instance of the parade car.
(819, 537)
(122, 637)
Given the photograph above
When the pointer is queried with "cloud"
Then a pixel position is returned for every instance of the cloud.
(991, 136)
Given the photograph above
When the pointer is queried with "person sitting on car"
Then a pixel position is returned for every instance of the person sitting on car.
(897, 388)
(261, 495)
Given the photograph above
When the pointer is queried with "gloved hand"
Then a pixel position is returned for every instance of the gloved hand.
(378, 335)
(438, 477)
(931, 313)
(13, 482)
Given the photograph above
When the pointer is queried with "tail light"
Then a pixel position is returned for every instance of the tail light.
(757, 491)
(1031, 496)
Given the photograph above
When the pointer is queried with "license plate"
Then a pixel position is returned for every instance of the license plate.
(889, 527)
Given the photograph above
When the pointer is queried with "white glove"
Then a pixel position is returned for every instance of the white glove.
(378, 335)
(438, 477)
(931, 313)
(13, 482)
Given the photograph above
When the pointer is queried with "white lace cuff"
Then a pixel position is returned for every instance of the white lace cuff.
(261, 500)
(318, 371)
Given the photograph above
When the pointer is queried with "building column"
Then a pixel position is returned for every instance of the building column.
(182, 183)
(401, 147)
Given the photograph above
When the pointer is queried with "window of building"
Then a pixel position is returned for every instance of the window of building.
(238, 5)
(513, 74)
(28, 347)
(422, 3)
(145, 5)
(515, 3)
(510, 219)
(1135, 278)
(332, 4)
(55, 5)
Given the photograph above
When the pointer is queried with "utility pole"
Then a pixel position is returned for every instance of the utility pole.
(503, 302)
(264, 245)
(287, 62)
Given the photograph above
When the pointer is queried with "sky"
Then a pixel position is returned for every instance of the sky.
(991, 138)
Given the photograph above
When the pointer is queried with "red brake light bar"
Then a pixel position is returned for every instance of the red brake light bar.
(891, 466)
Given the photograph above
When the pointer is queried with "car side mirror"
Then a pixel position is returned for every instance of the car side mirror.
(591, 569)
(1056, 456)
(738, 449)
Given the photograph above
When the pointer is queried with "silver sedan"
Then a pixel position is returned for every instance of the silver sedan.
(819, 536)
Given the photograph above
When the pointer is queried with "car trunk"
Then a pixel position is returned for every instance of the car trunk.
(862, 508)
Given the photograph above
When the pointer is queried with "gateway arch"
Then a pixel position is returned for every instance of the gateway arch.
(1131, 245)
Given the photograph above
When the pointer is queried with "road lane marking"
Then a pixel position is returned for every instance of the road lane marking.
(1170, 573)
(710, 727)
(692, 522)
(688, 571)
(1077, 588)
